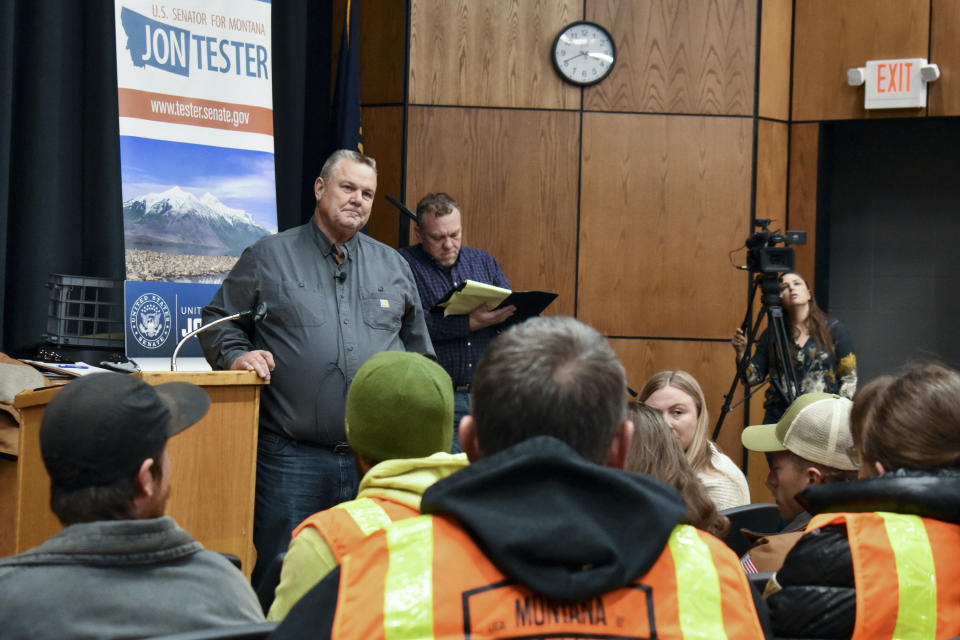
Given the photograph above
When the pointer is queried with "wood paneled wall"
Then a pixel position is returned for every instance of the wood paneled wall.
(775, 54)
(678, 57)
(514, 174)
(631, 198)
(381, 141)
(832, 36)
(382, 36)
(491, 53)
(944, 94)
(664, 200)
(804, 155)
(382, 64)
(773, 141)
(626, 198)
(835, 35)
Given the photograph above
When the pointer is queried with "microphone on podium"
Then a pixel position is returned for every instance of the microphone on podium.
(259, 313)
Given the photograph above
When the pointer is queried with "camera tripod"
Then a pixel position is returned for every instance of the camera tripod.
(786, 382)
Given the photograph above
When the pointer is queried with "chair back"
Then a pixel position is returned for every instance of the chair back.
(762, 517)
(267, 588)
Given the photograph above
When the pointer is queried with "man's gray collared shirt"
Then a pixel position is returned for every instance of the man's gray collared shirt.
(323, 321)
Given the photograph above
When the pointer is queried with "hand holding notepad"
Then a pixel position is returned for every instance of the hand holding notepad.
(470, 294)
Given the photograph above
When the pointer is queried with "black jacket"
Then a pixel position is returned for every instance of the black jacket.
(565, 527)
(818, 595)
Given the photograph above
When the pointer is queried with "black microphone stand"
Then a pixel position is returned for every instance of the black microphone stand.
(403, 208)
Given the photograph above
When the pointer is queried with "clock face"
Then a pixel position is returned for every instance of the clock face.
(584, 53)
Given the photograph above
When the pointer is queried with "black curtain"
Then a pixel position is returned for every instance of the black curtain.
(301, 103)
(60, 208)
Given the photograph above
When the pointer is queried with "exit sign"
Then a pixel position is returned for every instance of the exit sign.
(894, 84)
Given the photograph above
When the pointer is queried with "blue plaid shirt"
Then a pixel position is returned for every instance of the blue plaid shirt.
(458, 350)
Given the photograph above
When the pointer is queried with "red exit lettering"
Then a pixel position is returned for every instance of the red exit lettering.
(893, 77)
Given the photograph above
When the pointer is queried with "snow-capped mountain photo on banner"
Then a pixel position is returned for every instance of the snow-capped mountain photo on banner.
(177, 223)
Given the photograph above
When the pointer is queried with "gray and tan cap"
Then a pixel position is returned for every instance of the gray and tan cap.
(816, 427)
(101, 427)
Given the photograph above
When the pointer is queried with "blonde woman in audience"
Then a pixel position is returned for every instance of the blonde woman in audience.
(678, 397)
(656, 452)
(879, 558)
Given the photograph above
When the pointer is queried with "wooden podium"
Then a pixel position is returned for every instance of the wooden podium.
(214, 466)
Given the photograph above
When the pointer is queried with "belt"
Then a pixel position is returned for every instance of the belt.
(338, 447)
(464, 388)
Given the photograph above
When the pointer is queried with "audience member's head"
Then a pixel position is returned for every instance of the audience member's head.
(400, 405)
(103, 440)
(549, 377)
(678, 397)
(808, 445)
(439, 229)
(656, 451)
(908, 421)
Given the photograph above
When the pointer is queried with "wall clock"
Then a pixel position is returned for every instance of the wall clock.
(584, 53)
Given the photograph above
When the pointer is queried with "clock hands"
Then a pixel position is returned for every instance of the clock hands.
(603, 57)
(599, 55)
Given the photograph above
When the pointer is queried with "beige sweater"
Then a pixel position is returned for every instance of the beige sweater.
(726, 485)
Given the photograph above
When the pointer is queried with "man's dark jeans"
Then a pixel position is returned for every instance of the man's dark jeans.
(294, 481)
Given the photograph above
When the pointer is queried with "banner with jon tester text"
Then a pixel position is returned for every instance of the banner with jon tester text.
(194, 83)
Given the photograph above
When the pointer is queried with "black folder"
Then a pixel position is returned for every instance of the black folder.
(469, 295)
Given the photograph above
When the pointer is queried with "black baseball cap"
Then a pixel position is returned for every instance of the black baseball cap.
(101, 427)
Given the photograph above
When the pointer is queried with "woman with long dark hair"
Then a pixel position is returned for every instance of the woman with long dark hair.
(821, 351)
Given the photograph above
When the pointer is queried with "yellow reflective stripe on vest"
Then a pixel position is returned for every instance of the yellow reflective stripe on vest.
(408, 589)
(698, 585)
(367, 514)
(916, 576)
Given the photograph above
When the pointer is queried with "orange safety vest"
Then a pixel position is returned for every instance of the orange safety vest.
(906, 573)
(426, 578)
(345, 525)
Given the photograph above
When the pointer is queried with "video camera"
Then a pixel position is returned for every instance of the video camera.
(763, 256)
(767, 262)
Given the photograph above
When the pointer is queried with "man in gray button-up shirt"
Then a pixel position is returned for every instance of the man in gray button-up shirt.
(334, 298)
